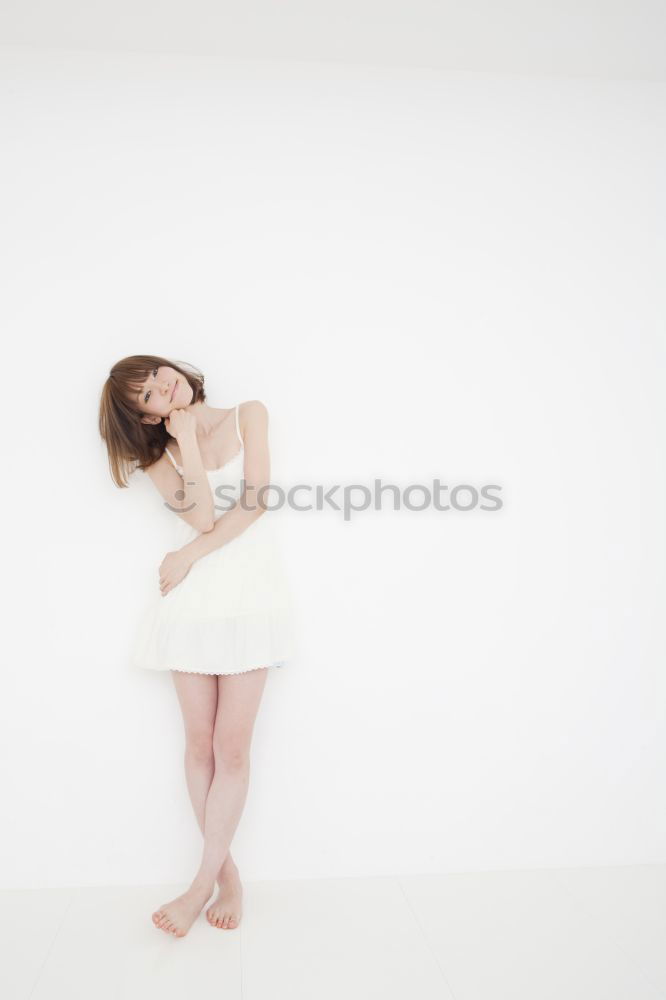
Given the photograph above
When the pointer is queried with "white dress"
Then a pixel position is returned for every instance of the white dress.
(232, 612)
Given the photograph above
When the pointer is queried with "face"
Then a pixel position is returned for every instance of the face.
(164, 390)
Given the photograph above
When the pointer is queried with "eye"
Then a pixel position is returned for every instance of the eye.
(146, 397)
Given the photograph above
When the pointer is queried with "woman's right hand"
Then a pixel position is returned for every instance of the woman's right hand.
(180, 422)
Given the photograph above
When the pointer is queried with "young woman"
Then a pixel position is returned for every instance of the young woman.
(221, 614)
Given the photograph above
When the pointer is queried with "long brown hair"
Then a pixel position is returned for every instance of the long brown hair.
(132, 444)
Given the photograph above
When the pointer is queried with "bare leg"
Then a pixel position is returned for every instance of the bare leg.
(198, 697)
(239, 696)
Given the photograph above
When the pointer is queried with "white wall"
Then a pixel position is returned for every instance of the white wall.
(422, 274)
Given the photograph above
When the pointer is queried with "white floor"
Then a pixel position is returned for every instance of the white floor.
(565, 934)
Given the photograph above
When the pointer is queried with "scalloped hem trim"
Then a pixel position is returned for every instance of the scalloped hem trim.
(218, 673)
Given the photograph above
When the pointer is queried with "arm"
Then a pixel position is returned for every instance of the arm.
(195, 484)
(253, 419)
(190, 497)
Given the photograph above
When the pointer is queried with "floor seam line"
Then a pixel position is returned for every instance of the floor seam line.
(609, 937)
(426, 939)
(51, 946)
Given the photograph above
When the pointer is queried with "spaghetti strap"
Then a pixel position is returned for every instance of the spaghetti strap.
(237, 426)
(173, 460)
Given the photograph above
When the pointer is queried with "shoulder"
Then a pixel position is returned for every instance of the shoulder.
(253, 407)
(252, 413)
(159, 469)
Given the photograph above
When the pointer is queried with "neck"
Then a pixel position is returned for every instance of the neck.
(207, 417)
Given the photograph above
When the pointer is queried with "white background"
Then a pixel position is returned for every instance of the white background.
(422, 273)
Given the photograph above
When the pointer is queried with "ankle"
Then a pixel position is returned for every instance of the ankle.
(228, 868)
(228, 874)
(202, 887)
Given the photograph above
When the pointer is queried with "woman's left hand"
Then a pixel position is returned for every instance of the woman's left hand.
(174, 567)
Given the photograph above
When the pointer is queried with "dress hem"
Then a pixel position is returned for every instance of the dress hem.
(214, 673)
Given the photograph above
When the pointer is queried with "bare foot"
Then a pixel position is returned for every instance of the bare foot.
(225, 912)
(177, 916)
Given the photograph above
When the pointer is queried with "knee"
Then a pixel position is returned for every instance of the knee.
(199, 747)
(231, 754)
